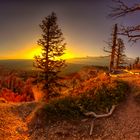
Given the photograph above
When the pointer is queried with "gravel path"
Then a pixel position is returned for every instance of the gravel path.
(124, 124)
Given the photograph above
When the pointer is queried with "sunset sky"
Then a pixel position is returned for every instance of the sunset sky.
(84, 24)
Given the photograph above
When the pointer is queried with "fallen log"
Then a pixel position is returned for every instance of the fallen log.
(93, 114)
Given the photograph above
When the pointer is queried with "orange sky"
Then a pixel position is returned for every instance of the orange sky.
(31, 50)
(85, 27)
(36, 50)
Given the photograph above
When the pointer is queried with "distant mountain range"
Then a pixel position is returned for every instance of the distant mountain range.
(97, 61)
(73, 64)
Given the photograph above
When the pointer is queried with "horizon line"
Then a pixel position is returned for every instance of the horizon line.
(63, 59)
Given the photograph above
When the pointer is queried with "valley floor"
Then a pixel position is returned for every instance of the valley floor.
(123, 124)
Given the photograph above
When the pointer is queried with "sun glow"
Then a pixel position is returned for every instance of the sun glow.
(67, 55)
(36, 50)
(32, 50)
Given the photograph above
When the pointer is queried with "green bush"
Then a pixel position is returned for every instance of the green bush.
(65, 107)
(108, 95)
(98, 100)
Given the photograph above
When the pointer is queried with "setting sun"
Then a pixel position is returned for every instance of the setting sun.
(36, 50)
(33, 52)
(67, 55)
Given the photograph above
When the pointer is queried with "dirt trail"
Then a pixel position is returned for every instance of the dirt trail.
(124, 124)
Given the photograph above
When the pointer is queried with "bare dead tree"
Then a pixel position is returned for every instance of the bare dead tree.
(112, 48)
(122, 9)
(120, 56)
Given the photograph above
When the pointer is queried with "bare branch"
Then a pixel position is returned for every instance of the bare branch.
(106, 50)
(132, 32)
(122, 9)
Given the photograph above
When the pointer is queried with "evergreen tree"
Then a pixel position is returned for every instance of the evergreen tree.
(49, 62)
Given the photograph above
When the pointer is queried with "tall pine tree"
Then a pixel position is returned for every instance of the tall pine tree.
(49, 62)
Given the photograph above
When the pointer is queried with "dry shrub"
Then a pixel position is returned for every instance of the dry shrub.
(91, 84)
(10, 96)
(13, 88)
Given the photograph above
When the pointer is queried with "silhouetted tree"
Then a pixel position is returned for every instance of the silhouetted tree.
(120, 56)
(112, 48)
(50, 62)
(137, 60)
(122, 9)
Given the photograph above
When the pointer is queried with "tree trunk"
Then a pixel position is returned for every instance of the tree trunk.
(47, 65)
(113, 48)
(118, 58)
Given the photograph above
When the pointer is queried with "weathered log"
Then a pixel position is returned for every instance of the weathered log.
(93, 114)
